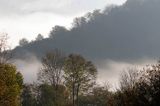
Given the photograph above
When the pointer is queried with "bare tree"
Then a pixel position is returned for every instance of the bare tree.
(51, 71)
(5, 53)
(129, 78)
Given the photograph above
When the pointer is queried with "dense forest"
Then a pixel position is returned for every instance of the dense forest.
(68, 73)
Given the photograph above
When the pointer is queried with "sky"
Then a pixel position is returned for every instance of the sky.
(28, 18)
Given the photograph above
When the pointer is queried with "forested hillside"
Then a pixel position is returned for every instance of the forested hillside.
(126, 32)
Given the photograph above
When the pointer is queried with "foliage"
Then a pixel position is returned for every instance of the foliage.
(57, 31)
(10, 85)
(28, 97)
(46, 96)
(23, 42)
(137, 87)
(39, 37)
(99, 96)
(80, 76)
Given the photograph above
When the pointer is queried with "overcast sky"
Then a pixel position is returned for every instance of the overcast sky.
(27, 18)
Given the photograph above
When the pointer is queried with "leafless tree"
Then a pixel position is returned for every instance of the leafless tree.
(5, 53)
(129, 78)
(51, 71)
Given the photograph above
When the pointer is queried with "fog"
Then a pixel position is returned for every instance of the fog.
(28, 68)
(109, 71)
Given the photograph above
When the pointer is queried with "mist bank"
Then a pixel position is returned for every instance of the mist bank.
(109, 71)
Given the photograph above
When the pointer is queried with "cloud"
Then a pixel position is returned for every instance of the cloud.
(62, 7)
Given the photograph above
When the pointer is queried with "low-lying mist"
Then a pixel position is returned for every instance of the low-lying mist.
(109, 71)
(28, 68)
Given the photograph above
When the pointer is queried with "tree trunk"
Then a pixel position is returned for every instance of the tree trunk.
(77, 96)
(73, 87)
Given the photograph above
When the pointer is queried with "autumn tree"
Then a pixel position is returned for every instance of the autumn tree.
(79, 75)
(10, 85)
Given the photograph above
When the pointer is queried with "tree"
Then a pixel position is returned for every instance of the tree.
(100, 96)
(133, 88)
(39, 37)
(10, 85)
(28, 97)
(128, 82)
(46, 96)
(51, 71)
(129, 79)
(23, 42)
(149, 85)
(57, 30)
(79, 76)
(5, 53)
(78, 22)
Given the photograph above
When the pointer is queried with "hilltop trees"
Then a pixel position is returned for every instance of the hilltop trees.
(23, 42)
(39, 37)
(57, 31)
(79, 75)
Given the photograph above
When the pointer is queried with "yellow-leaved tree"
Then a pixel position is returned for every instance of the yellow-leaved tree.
(10, 85)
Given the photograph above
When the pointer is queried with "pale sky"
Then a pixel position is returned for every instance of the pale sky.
(28, 18)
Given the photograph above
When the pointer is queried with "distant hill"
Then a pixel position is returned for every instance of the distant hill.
(126, 32)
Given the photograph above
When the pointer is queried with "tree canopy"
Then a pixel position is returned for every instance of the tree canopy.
(11, 85)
